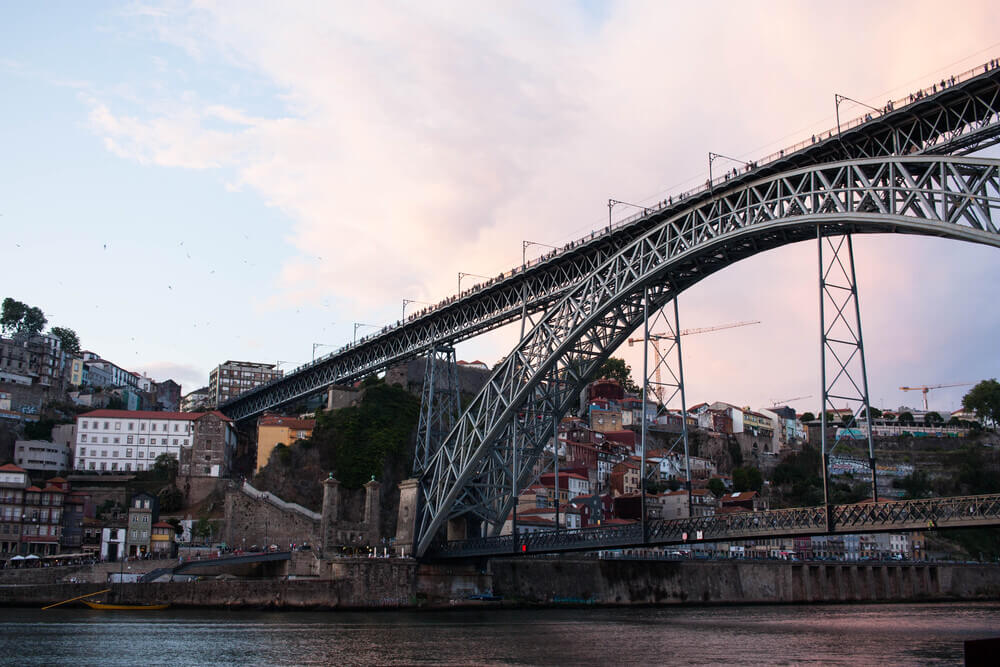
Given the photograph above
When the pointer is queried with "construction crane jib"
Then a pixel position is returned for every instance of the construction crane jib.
(924, 388)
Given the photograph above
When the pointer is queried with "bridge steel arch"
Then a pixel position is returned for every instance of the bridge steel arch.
(957, 119)
(515, 414)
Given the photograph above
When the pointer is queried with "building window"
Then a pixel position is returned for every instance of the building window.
(104, 465)
(140, 453)
(114, 465)
(131, 426)
(128, 440)
(117, 440)
(142, 426)
(104, 440)
(128, 467)
(83, 438)
(118, 426)
(92, 464)
(175, 442)
(128, 453)
(142, 441)
(84, 423)
(185, 442)
(114, 454)
(176, 426)
(104, 453)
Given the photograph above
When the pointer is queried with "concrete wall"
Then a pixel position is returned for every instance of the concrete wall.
(669, 582)
(394, 582)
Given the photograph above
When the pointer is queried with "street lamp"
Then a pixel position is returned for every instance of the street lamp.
(315, 345)
(468, 275)
(407, 302)
(524, 247)
(611, 205)
(712, 157)
(838, 98)
(361, 324)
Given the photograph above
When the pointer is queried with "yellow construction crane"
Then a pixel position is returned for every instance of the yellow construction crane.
(926, 388)
(656, 338)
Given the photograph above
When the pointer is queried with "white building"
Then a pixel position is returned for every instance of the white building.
(42, 455)
(204, 443)
(112, 543)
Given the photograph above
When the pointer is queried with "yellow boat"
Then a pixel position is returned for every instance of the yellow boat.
(124, 607)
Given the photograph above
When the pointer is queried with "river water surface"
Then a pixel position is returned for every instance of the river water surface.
(925, 634)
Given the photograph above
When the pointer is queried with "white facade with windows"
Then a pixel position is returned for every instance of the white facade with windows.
(41, 455)
(130, 443)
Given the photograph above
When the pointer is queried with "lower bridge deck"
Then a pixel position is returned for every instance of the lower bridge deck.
(869, 517)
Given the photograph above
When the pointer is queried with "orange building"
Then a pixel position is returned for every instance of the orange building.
(273, 430)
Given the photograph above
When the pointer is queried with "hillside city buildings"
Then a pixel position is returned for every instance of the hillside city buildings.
(232, 378)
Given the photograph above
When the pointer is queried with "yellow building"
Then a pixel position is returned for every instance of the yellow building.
(273, 430)
(162, 538)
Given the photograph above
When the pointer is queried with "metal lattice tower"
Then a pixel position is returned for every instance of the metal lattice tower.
(440, 404)
(843, 371)
(665, 380)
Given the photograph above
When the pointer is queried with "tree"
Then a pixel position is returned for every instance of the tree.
(165, 467)
(984, 400)
(20, 318)
(807, 417)
(171, 499)
(70, 341)
(747, 479)
(176, 523)
(616, 369)
(202, 529)
(716, 486)
(905, 417)
(933, 418)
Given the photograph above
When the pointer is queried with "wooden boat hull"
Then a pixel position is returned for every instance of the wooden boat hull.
(104, 606)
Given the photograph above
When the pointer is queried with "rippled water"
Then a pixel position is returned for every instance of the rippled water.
(779, 635)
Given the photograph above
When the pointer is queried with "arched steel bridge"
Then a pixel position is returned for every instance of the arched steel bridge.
(956, 120)
(590, 297)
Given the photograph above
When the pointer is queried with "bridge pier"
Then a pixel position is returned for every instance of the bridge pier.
(406, 516)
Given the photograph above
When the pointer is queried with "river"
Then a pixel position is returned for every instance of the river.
(898, 634)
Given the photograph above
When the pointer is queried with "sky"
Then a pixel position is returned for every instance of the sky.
(189, 182)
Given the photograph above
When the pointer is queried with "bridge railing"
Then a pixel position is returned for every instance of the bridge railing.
(883, 516)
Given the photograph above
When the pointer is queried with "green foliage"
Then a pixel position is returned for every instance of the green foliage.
(916, 485)
(176, 523)
(20, 318)
(717, 487)
(357, 442)
(68, 338)
(933, 418)
(984, 400)
(281, 454)
(164, 468)
(40, 430)
(747, 479)
(171, 499)
(905, 417)
(800, 475)
(876, 413)
(807, 417)
(735, 453)
(116, 403)
(616, 369)
(202, 528)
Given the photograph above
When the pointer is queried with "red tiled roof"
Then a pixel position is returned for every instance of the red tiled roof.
(151, 414)
(32, 488)
(52, 489)
(289, 422)
(10, 467)
(56, 480)
(162, 524)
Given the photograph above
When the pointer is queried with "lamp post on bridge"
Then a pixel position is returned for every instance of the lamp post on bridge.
(316, 345)
(468, 275)
(611, 205)
(407, 302)
(361, 324)
(838, 98)
(712, 157)
(524, 248)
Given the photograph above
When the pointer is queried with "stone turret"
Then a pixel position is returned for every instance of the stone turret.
(373, 511)
(407, 516)
(331, 513)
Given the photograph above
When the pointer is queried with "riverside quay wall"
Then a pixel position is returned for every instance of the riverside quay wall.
(403, 583)
(625, 582)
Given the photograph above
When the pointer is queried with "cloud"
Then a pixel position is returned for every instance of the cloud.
(418, 141)
(188, 376)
